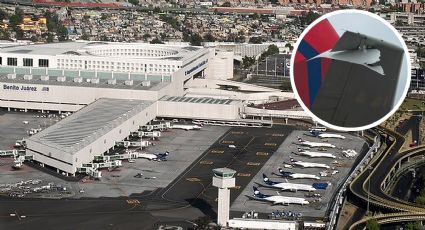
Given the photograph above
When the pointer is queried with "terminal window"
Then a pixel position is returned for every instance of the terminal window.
(28, 62)
(43, 62)
(12, 61)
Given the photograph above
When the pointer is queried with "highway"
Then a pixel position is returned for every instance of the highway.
(369, 183)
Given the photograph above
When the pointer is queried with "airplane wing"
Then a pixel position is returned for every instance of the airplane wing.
(366, 57)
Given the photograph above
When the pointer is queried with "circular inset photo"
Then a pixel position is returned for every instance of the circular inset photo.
(350, 70)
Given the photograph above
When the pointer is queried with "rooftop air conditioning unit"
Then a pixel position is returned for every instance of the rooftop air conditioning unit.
(28, 77)
(78, 79)
(112, 81)
(95, 80)
(61, 79)
(146, 83)
(11, 75)
(128, 82)
(44, 77)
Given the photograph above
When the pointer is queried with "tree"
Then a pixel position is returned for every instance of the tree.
(372, 224)
(420, 200)
(196, 40)
(134, 2)
(85, 36)
(286, 86)
(247, 62)
(413, 226)
(226, 4)
(62, 33)
(398, 23)
(255, 16)
(3, 15)
(273, 49)
(255, 40)
(157, 10)
(420, 51)
(310, 17)
(209, 37)
(156, 41)
(288, 45)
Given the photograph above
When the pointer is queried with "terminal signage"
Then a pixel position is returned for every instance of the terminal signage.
(195, 67)
(27, 88)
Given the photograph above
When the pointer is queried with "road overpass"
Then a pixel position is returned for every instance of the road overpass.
(369, 188)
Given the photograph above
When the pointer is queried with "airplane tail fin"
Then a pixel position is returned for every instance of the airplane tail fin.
(267, 180)
(257, 193)
(314, 133)
(300, 139)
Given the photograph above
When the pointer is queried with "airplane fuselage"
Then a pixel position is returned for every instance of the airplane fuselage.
(284, 200)
(303, 176)
(316, 154)
(316, 144)
(310, 164)
(293, 187)
(330, 135)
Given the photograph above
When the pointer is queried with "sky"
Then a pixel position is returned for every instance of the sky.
(370, 26)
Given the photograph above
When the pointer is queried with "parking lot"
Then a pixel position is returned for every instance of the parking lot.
(318, 205)
(274, 65)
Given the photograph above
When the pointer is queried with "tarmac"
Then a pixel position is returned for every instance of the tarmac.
(316, 209)
(171, 191)
(184, 147)
(12, 127)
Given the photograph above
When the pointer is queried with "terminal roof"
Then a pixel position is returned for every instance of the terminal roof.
(86, 82)
(207, 100)
(88, 124)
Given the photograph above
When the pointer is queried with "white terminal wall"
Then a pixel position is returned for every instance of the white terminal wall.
(69, 162)
(199, 110)
(66, 98)
(72, 98)
(221, 66)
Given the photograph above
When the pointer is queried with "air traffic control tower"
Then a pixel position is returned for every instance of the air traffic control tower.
(224, 178)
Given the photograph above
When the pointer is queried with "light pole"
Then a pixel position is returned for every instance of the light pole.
(368, 191)
(368, 186)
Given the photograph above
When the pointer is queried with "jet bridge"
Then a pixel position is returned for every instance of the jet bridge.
(151, 134)
(92, 168)
(127, 144)
(124, 156)
(161, 127)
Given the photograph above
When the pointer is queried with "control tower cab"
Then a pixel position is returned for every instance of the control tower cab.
(224, 178)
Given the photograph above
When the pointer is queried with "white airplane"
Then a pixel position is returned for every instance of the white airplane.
(154, 157)
(309, 164)
(283, 200)
(291, 175)
(314, 144)
(287, 186)
(303, 152)
(327, 135)
(186, 127)
(317, 129)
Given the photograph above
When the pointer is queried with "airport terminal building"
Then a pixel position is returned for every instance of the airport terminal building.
(114, 88)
